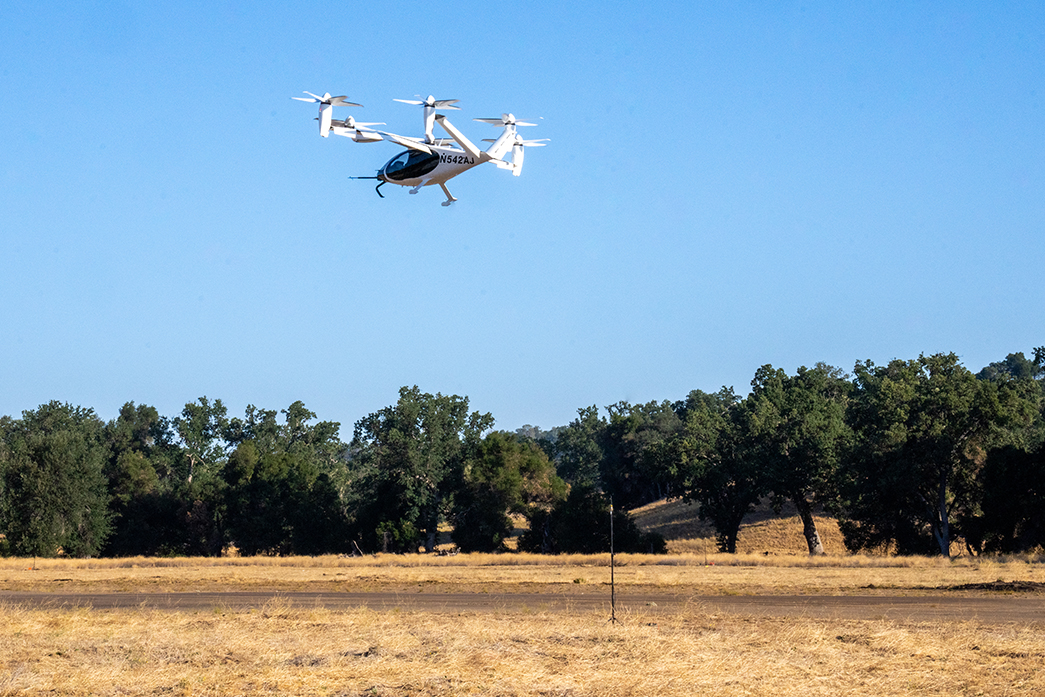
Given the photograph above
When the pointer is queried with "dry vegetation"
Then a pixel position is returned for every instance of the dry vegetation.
(508, 573)
(763, 531)
(280, 649)
(276, 650)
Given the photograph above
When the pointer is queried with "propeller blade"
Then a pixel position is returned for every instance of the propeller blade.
(326, 99)
(506, 120)
(432, 102)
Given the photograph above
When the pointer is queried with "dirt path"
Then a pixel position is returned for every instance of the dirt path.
(1002, 609)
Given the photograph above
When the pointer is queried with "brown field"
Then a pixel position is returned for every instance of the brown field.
(283, 648)
(747, 574)
(277, 650)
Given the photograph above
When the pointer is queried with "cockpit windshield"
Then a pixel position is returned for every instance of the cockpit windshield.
(410, 164)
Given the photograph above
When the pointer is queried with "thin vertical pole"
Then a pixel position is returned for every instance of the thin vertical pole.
(613, 586)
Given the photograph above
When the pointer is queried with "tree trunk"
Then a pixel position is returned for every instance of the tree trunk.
(942, 528)
(728, 535)
(727, 542)
(805, 512)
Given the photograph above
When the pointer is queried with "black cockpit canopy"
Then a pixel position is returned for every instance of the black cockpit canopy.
(410, 164)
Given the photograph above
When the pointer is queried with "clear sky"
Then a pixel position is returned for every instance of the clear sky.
(727, 185)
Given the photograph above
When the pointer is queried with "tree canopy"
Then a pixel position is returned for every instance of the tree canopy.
(915, 456)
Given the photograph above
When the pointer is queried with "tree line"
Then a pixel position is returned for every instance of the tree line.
(913, 457)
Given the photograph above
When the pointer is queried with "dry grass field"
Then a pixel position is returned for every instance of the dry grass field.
(280, 649)
(744, 574)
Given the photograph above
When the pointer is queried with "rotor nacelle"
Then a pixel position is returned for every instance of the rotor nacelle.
(430, 105)
(326, 108)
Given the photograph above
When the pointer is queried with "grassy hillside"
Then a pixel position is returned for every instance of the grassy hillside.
(763, 530)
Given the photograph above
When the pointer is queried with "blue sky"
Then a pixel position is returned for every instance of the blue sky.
(726, 186)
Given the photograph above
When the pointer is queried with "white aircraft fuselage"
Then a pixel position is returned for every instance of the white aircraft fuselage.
(415, 168)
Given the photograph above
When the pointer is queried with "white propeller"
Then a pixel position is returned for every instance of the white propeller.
(326, 108)
(326, 99)
(432, 103)
(506, 120)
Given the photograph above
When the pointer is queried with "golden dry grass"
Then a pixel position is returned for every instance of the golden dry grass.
(763, 530)
(282, 650)
(362, 652)
(507, 573)
(278, 649)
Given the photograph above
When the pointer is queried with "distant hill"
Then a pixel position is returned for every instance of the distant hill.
(762, 531)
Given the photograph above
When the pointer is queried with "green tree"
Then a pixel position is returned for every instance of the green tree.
(1028, 377)
(1015, 366)
(629, 472)
(1013, 500)
(263, 492)
(507, 474)
(578, 448)
(408, 459)
(318, 442)
(798, 430)
(6, 424)
(141, 473)
(201, 428)
(55, 496)
(198, 486)
(580, 524)
(278, 498)
(921, 429)
(713, 463)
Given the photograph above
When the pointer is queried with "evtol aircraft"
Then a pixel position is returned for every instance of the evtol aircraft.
(429, 160)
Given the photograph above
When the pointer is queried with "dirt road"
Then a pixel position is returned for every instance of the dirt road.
(999, 609)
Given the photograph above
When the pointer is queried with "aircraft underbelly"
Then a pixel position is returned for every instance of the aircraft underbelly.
(439, 175)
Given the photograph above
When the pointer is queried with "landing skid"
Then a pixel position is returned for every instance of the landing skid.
(449, 197)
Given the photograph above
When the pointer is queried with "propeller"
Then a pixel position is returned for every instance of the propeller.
(518, 151)
(326, 108)
(432, 103)
(506, 120)
(326, 99)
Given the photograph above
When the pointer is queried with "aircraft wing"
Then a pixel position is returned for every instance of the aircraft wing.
(358, 135)
(358, 132)
(406, 142)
